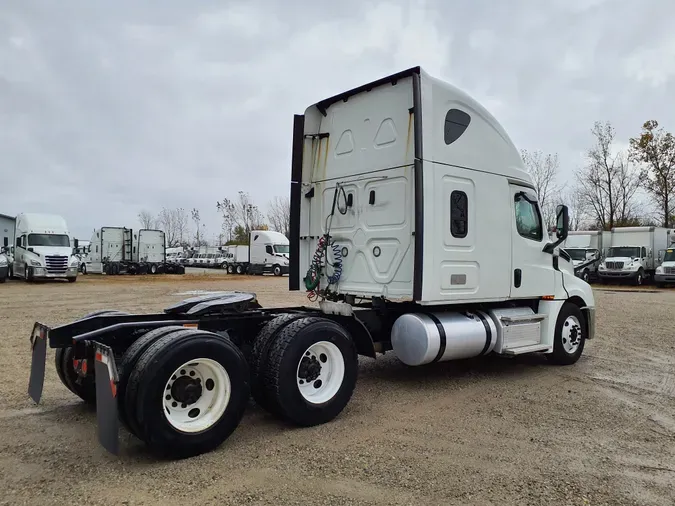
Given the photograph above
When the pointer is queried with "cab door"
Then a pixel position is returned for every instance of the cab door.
(532, 273)
(19, 267)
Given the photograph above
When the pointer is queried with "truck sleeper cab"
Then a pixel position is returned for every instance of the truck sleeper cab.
(43, 248)
(414, 225)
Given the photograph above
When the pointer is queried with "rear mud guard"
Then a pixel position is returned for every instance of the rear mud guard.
(38, 342)
(106, 398)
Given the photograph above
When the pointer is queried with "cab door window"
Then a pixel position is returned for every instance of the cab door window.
(528, 217)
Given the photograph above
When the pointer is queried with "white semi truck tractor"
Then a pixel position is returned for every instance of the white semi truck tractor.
(415, 226)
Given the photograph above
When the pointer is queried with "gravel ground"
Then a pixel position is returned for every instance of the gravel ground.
(493, 431)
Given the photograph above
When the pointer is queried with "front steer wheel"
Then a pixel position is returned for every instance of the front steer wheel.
(311, 371)
(187, 393)
(570, 335)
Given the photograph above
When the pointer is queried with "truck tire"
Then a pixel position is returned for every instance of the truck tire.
(63, 361)
(311, 371)
(230, 269)
(586, 276)
(240, 269)
(276, 270)
(259, 359)
(640, 277)
(153, 269)
(127, 364)
(570, 335)
(72, 280)
(187, 393)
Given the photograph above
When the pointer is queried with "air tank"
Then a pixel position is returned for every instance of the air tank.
(422, 338)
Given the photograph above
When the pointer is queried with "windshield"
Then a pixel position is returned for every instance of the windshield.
(577, 254)
(624, 251)
(281, 248)
(669, 256)
(48, 240)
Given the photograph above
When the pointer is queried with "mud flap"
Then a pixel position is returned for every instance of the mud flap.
(106, 398)
(38, 342)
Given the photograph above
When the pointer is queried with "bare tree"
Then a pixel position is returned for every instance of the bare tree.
(146, 219)
(241, 212)
(576, 209)
(607, 184)
(279, 215)
(544, 171)
(197, 219)
(174, 223)
(655, 148)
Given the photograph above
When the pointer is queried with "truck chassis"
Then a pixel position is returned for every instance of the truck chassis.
(180, 380)
(141, 268)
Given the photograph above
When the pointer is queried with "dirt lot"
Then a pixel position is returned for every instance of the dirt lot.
(493, 431)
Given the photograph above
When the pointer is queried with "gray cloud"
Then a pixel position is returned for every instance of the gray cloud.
(110, 108)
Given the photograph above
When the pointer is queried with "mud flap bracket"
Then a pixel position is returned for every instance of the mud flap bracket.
(106, 398)
(38, 343)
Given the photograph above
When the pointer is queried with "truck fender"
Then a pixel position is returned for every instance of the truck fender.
(359, 332)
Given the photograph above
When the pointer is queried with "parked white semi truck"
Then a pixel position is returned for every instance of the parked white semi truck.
(267, 252)
(121, 250)
(587, 248)
(43, 248)
(415, 224)
(633, 256)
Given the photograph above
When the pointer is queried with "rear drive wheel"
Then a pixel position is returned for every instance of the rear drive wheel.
(570, 335)
(240, 269)
(153, 269)
(230, 269)
(84, 388)
(189, 391)
(312, 370)
(127, 364)
(259, 359)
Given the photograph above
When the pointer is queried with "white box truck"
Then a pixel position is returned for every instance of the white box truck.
(665, 273)
(443, 256)
(586, 249)
(43, 248)
(633, 255)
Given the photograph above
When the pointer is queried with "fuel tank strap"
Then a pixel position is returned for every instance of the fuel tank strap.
(488, 332)
(443, 337)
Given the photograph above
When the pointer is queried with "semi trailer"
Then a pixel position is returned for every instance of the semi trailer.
(633, 255)
(402, 190)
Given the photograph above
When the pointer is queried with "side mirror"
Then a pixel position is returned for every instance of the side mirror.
(5, 242)
(77, 243)
(562, 219)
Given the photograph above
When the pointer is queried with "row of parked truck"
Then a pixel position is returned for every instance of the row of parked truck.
(42, 248)
(623, 254)
(267, 252)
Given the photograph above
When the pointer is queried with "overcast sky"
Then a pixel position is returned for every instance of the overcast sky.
(108, 108)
